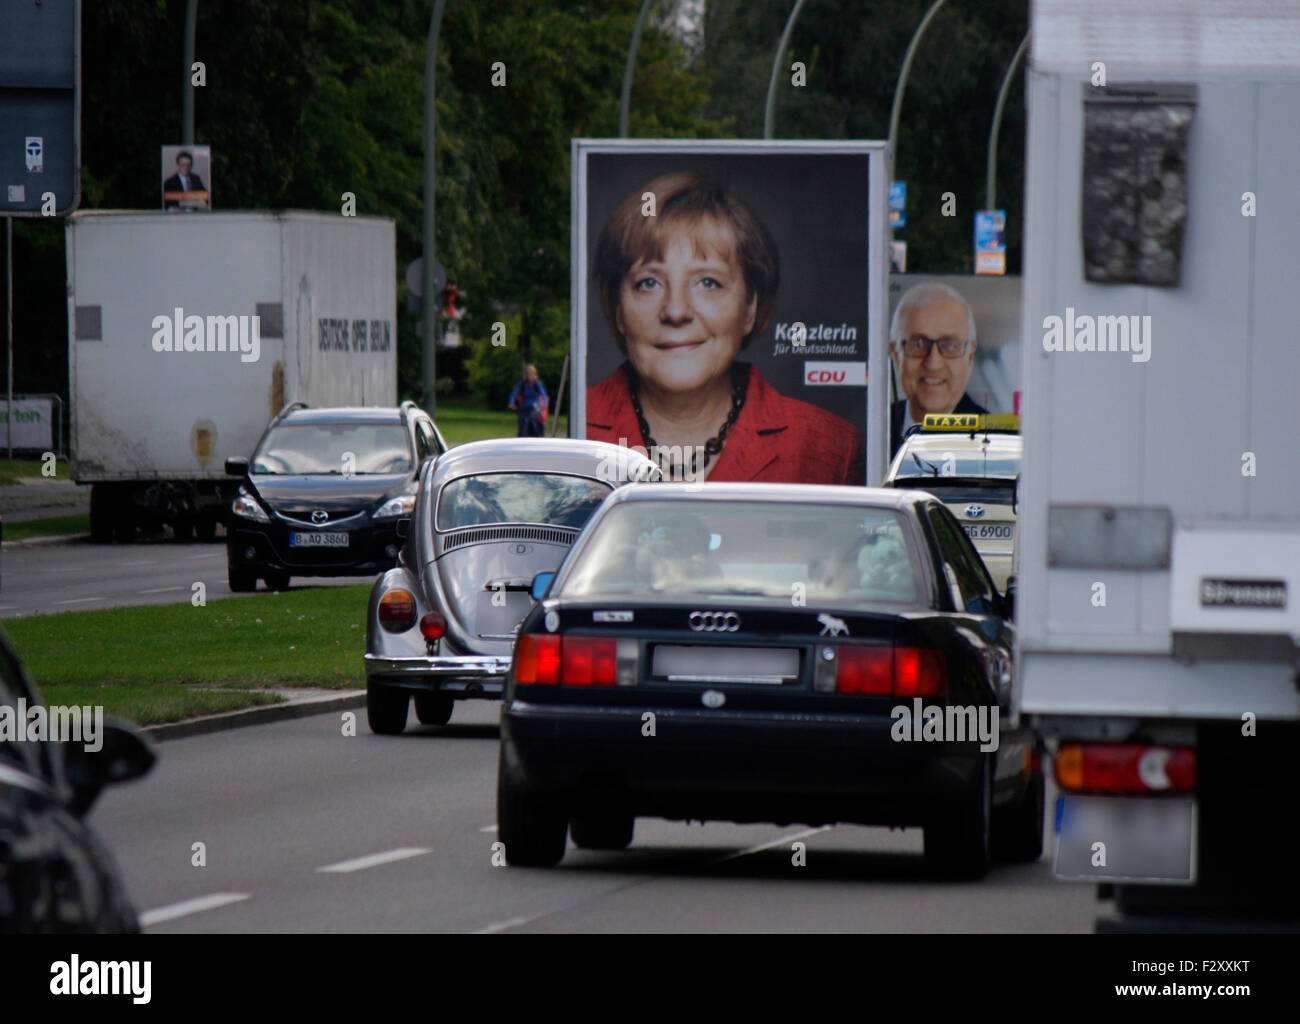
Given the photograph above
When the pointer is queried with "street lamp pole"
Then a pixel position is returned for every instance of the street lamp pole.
(991, 179)
(628, 68)
(769, 112)
(428, 398)
(187, 74)
(902, 82)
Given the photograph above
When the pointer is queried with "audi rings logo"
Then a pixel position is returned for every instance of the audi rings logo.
(319, 516)
(714, 622)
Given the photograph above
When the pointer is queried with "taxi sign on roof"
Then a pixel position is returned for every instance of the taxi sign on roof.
(964, 421)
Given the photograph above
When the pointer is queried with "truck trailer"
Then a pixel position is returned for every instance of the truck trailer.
(188, 332)
(1159, 559)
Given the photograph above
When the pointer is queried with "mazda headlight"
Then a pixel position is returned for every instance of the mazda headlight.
(402, 505)
(246, 506)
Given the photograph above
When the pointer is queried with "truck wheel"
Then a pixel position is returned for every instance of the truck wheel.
(183, 529)
(206, 529)
(957, 845)
(608, 831)
(386, 710)
(101, 513)
(124, 522)
(1018, 828)
(433, 708)
(532, 828)
(241, 580)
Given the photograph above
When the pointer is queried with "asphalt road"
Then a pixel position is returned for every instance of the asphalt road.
(68, 577)
(307, 830)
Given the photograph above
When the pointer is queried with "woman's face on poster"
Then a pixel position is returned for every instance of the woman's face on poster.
(685, 316)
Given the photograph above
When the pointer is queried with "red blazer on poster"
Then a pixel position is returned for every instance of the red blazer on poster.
(775, 439)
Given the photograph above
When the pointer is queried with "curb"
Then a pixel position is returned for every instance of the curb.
(32, 542)
(254, 716)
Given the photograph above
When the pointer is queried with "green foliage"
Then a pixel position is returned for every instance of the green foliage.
(495, 369)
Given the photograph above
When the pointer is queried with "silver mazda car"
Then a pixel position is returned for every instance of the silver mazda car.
(488, 517)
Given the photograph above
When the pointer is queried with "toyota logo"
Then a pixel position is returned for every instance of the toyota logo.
(974, 511)
(319, 516)
(714, 622)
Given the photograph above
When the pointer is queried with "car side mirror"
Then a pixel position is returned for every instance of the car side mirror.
(237, 467)
(541, 584)
(123, 754)
(1009, 599)
(403, 527)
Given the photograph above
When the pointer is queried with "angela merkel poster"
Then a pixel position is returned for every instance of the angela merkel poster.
(728, 304)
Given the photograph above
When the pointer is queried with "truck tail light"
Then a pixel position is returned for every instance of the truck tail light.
(884, 671)
(1125, 768)
(397, 611)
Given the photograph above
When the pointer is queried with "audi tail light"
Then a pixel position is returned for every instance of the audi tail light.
(880, 670)
(543, 659)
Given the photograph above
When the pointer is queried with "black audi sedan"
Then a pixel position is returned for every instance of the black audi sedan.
(324, 492)
(768, 653)
(56, 875)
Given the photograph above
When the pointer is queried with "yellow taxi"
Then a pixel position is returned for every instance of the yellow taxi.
(971, 463)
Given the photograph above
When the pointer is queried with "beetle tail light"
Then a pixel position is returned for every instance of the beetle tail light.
(397, 611)
(433, 625)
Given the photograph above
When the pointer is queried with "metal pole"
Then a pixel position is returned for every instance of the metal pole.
(559, 396)
(769, 112)
(9, 328)
(991, 179)
(187, 80)
(628, 68)
(428, 399)
(902, 82)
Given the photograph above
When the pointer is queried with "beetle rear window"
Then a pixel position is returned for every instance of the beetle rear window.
(491, 498)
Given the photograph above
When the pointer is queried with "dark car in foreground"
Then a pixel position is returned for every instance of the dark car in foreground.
(324, 492)
(768, 653)
(56, 876)
(488, 516)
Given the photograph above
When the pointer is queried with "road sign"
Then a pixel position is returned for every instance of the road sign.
(898, 204)
(415, 276)
(40, 108)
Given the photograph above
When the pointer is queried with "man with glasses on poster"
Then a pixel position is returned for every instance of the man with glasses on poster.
(932, 338)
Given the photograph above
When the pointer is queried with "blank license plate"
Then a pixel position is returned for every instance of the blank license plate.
(318, 540)
(987, 531)
(763, 665)
(1142, 839)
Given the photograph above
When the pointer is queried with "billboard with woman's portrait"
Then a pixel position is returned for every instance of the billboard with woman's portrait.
(728, 305)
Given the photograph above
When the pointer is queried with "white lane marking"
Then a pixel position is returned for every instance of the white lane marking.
(200, 558)
(77, 600)
(488, 828)
(7, 607)
(162, 590)
(500, 926)
(194, 906)
(150, 562)
(776, 842)
(375, 859)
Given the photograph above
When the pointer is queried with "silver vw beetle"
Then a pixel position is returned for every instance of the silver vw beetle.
(488, 517)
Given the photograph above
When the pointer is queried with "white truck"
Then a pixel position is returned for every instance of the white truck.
(1159, 560)
(188, 332)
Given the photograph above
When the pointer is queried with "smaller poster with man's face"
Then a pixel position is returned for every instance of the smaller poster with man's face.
(186, 173)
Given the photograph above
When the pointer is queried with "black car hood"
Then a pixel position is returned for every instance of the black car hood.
(329, 492)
